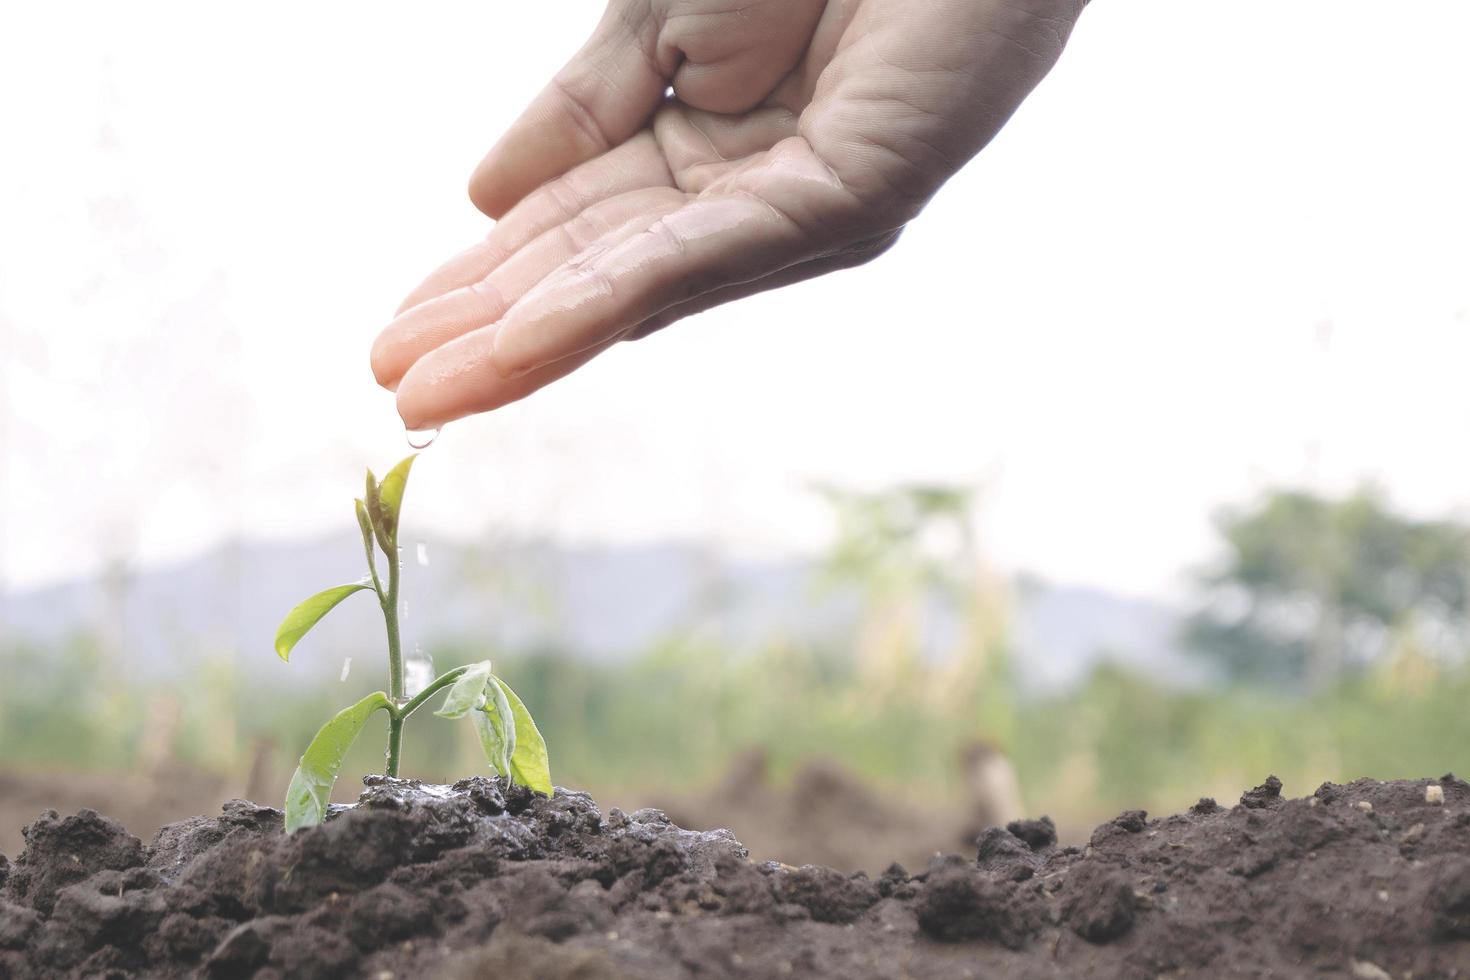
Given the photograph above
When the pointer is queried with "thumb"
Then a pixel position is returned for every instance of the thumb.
(603, 96)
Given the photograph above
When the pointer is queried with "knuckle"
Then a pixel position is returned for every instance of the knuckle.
(491, 304)
(576, 106)
(560, 195)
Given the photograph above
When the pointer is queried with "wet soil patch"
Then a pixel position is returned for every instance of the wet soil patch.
(1366, 879)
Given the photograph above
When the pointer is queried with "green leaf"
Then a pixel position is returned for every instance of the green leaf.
(495, 723)
(307, 614)
(366, 524)
(467, 693)
(372, 503)
(311, 784)
(390, 499)
(529, 763)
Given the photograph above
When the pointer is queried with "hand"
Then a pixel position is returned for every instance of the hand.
(800, 137)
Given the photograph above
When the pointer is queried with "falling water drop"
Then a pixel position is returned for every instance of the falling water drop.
(421, 438)
(346, 668)
(423, 553)
(418, 671)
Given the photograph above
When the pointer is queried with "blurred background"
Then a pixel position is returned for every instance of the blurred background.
(1138, 471)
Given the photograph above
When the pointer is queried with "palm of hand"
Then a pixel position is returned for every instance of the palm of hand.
(801, 137)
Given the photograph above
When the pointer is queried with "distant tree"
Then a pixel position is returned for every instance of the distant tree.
(910, 554)
(905, 538)
(1310, 587)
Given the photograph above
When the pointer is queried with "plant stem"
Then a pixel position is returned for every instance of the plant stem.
(390, 617)
(439, 684)
(395, 741)
(395, 664)
(397, 713)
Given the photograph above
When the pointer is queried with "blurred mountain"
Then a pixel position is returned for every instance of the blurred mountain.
(598, 602)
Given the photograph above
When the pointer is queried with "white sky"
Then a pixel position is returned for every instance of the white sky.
(1112, 317)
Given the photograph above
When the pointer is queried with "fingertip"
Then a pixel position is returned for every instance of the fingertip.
(486, 189)
(461, 379)
(384, 366)
(416, 411)
(445, 384)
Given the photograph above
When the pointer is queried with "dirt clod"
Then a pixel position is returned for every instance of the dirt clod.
(482, 879)
(1100, 905)
(62, 850)
(1038, 834)
(1002, 851)
(1205, 805)
(16, 925)
(1449, 897)
(829, 896)
(1265, 795)
(961, 903)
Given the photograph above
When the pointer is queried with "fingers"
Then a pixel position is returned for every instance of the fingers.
(634, 165)
(597, 299)
(733, 55)
(431, 406)
(801, 272)
(424, 409)
(707, 243)
(603, 96)
(440, 319)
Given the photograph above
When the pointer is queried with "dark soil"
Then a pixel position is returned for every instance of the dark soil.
(1366, 880)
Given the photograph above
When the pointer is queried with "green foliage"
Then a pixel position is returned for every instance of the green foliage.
(365, 522)
(311, 785)
(529, 763)
(305, 615)
(512, 743)
(496, 727)
(672, 718)
(390, 501)
(1308, 587)
(54, 711)
(467, 693)
(473, 690)
(909, 536)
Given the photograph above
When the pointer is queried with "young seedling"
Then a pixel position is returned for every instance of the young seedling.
(513, 746)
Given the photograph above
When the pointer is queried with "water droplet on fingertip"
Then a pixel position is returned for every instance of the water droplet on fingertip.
(421, 438)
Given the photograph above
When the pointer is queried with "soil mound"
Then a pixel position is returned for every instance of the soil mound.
(1367, 880)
